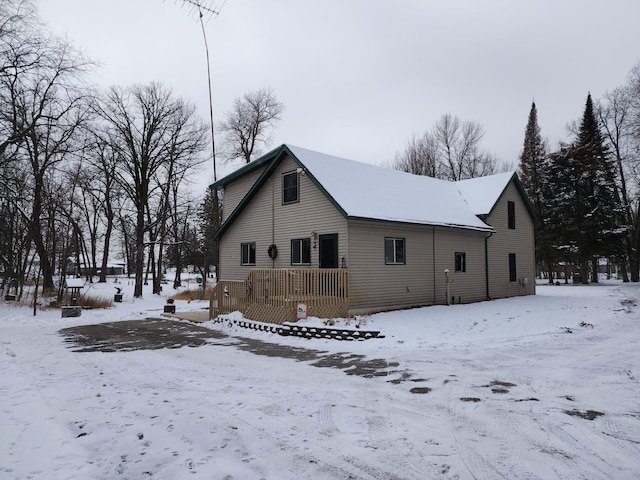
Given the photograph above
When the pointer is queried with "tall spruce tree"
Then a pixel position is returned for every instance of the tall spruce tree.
(532, 169)
(581, 208)
(603, 215)
(568, 214)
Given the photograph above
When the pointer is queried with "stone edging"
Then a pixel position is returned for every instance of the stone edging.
(304, 331)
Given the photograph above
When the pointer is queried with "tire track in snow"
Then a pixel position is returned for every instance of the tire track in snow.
(427, 458)
(565, 436)
(325, 420)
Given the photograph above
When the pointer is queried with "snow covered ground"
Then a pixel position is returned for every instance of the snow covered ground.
(539, 387)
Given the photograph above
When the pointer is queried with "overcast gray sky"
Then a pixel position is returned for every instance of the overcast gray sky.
(359, 77)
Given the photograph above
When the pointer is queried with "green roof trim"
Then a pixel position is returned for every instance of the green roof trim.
(271, 160)
(523, 196)
(248, 168)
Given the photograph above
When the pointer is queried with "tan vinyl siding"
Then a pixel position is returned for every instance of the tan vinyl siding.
(235, 192)
(505, 241)
(470, 285)
(267, 221)
(373, 285)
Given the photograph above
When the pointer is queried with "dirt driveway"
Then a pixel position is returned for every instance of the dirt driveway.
(158, 333)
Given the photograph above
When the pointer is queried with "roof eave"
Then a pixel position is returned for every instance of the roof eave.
(271, 159)
(523, 195)
(248, 168)
(487, 228)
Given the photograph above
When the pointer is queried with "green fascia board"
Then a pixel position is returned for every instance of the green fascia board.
(271, 160)
(523, 196)
(317, 184)
(248, 168)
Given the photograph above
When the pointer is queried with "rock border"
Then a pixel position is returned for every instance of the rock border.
(303, 331)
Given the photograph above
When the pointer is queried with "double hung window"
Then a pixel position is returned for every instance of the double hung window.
(301, 251)
(248, 253)
(290, 190)
(394, 251)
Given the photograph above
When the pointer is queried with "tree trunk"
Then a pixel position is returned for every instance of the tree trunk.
(634, 258)
(177, 280)
(139, 255)
(105, 250)
(584, 271)
(623, 268)
(156, 270)
(38, 240)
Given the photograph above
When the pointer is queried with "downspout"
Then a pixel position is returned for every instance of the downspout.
(273, 217)
(433, 261)
(486, 263)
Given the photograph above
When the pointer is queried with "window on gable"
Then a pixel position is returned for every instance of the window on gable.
(394, 251)
(290, 190)
(301, 251)
(511, 214)
(461, 262)
(513, 276)
(248, 253)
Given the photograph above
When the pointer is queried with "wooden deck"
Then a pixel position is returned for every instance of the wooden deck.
(273, 295)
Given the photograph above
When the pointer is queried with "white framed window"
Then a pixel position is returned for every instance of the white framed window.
(301, 251)
(394, 251)
(248, 253)
(460, 262)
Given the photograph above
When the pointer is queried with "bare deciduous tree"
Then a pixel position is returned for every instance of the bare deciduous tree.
(43, 107)
(246, 127)
(450, 150)
(156, 138)
(619, 114)
(419, 156)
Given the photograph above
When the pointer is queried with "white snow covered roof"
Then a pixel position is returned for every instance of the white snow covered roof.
(367, 191)
(482, 193)
(364, 191)
(74, 282)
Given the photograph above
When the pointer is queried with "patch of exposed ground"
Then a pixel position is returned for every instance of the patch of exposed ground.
(158, 333)
(586, 414)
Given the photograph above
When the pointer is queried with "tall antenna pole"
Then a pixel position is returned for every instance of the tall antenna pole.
(213, 138)
(202, 9)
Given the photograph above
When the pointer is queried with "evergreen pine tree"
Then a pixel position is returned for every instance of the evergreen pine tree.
(581, 210)
(600, 225)
(563, 204)
(533, 162)
(210, 214)
(599, 168)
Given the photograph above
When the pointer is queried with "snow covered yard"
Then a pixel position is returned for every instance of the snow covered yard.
(532, 387)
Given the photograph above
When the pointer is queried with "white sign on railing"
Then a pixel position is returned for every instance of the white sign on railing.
(301, 310)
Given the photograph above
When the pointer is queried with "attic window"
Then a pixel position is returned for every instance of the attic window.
(290, 191)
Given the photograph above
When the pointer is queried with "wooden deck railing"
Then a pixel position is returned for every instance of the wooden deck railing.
(271, 295)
